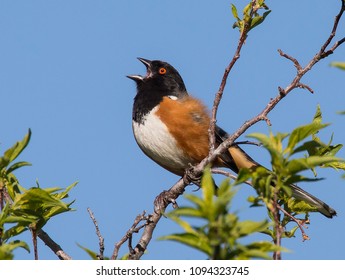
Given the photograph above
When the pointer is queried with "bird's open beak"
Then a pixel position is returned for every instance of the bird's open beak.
(147, 63)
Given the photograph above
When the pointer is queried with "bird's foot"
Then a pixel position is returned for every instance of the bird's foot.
(163, 200)
(192, 176)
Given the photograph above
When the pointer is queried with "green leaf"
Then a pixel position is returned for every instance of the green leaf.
(188, 212)
(257, 20)
(248, 227)
(234, 12)
(12, 153)
(91, 253)
(12, 185)
(273, 144)
(190, 239)
(243, 175)
(7, 248)
(340, 65)
(310, 146)
(183, 224)
(293, 179)
(64, 193)
(17, 165)
(208, 192)
(34, 207)
(199, 202)
(258, 249)
(291, 233)
(302, 132)
(14, 231)
(318, 115)
(208, 187)
(296, 165)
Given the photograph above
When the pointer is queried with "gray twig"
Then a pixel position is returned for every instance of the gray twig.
(98, 232)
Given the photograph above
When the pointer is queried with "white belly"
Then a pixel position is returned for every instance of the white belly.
(155, 141)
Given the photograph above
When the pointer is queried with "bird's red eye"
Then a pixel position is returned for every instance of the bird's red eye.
(162, 71)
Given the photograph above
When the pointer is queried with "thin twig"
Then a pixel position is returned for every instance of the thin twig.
(323, 51)
(247, 143)
(34, 241)
(297, 221)
(219, 94)
(304, 86)
(129, 233)
(228, 174)
(278, 228)
(98, 232)
(41, 234)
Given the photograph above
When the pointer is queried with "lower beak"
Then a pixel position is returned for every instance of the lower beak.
(135, 77)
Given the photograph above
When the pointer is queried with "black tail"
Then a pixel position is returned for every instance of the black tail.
(322, 207)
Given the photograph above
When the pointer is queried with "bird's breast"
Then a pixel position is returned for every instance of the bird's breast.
(155, 140)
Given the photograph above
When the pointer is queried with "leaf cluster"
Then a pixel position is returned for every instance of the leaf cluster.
(21, 208)
(287, 168)
(221, 231)
(251, 16)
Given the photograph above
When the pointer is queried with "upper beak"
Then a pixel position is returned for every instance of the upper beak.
(147, 63)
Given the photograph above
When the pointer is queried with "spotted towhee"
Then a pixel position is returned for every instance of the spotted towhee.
(171, 128)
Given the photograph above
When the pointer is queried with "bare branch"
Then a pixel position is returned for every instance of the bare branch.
(304, 86)
(278, 228)
(224, 173)
(294, 60)
(100, 237)
(41, 234)
(34, 241)
(228, 174)
(220, 91)
(323, 51)
(129, 233)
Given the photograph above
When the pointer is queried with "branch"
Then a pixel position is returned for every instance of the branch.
(278, 228)
(220, 91)
(98, 232)
(299, 222)
(228, 174)
(34, 241)
(128, 236)
(41, 234)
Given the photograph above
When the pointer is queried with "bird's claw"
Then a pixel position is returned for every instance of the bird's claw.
(191, 176)
(163, 200)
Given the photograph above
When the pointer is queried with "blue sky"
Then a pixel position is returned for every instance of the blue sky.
(62, 74)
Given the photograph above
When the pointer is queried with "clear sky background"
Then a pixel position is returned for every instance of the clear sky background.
(62, 74)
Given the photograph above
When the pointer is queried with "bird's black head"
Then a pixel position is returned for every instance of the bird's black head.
(161, 80)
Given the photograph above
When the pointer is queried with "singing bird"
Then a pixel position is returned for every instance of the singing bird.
(171, 128)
